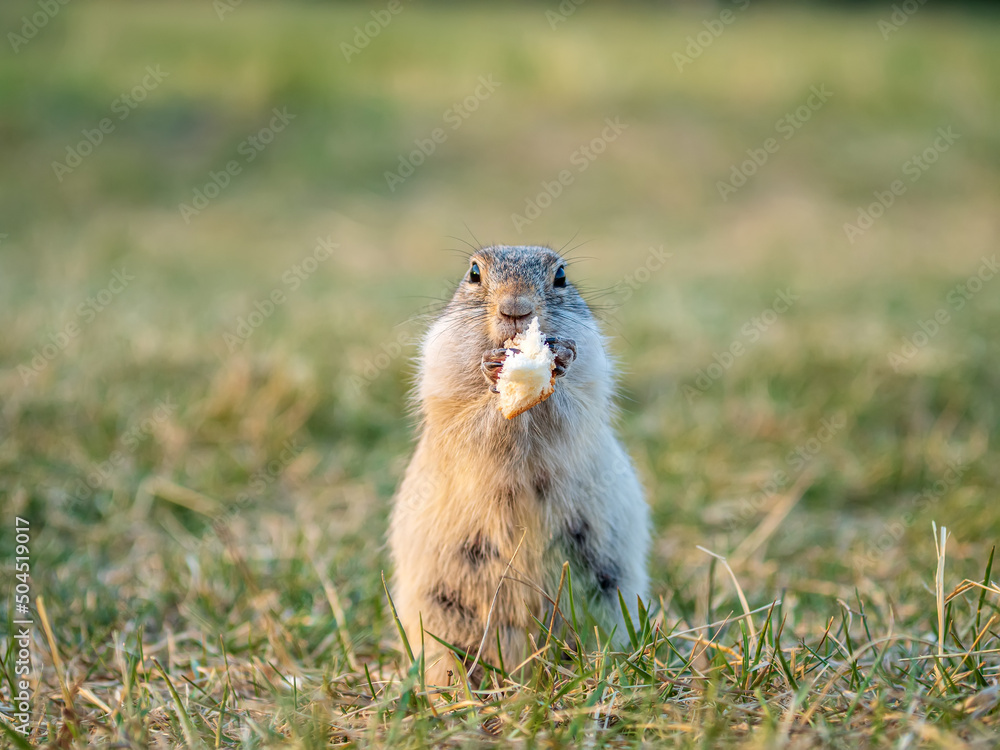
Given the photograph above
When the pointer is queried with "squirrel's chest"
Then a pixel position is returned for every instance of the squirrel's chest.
(530, 514)
(511, 482)
(516, 520)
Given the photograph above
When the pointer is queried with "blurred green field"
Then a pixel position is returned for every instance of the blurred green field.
(140, 409)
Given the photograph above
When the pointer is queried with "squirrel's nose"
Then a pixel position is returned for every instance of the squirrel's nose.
(516, 307)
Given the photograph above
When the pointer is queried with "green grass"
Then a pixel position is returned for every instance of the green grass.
(222, 584)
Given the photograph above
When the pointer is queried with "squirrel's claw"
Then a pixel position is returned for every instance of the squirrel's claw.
(492, 362)
(565, 351)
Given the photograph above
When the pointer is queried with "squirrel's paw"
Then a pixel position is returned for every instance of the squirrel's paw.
(492, 362)
(565, 351)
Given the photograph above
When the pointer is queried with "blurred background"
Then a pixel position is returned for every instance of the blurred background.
(220, 224)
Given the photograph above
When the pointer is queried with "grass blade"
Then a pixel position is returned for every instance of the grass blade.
(187, 725)
(399, 625)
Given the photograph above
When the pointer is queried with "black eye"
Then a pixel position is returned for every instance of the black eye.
(560, 279)
(474, 276)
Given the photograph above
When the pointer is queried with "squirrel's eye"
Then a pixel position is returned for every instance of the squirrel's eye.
(474, 276)
(560, 279)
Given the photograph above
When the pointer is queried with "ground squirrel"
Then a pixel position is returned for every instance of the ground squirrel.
(490, 508)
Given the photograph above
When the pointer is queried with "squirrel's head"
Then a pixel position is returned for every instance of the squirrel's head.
(507, 286)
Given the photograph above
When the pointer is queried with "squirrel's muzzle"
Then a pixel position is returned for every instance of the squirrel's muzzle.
(514, 315)
(516, 307)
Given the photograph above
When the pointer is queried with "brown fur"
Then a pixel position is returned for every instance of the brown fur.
(482, 492)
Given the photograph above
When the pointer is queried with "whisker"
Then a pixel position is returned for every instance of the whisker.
(456, 251)
(475, 248)
(569, 253)
(560, 250)
(472, 234)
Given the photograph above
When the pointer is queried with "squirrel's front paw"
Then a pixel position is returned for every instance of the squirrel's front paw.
(492, 362)
(565, 351)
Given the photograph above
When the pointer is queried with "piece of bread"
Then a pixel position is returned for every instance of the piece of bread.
(526, 377)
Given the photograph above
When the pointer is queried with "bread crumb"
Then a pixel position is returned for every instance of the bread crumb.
(526, 377)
